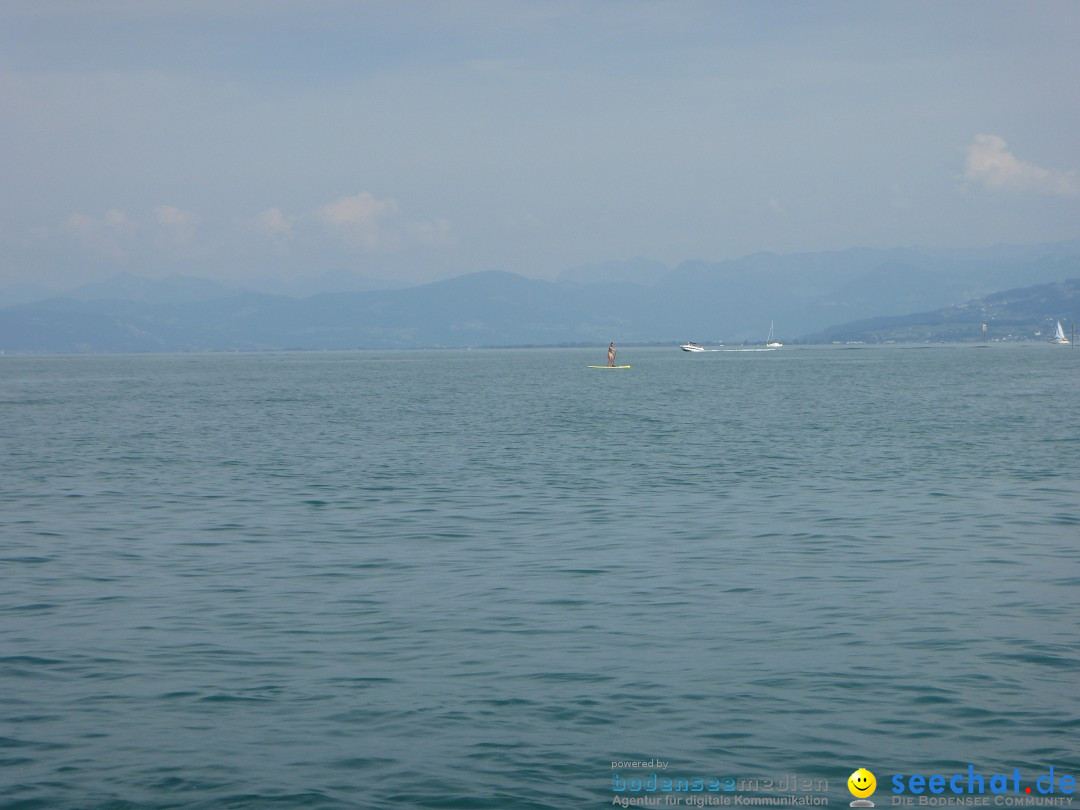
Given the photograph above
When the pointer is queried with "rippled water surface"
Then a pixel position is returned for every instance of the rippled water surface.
(475, 579)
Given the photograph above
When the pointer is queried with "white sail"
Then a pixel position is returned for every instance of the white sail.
(1059, 336)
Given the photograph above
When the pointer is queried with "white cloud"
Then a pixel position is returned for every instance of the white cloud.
(110, 235)
(116, 236)
(357, 218)
(175, 226)
(118, 222)
(992, 165)
(173, 217)
(360, 220)
(273, 223)
(81, 225)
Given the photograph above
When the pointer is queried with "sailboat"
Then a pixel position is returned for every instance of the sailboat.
(1059, 336)
(772, 342)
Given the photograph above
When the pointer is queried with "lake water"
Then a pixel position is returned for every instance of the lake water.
(476, 579)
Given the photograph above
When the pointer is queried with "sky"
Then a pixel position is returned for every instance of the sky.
(410, 141)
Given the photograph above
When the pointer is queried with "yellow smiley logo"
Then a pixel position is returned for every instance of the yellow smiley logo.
(861, 783)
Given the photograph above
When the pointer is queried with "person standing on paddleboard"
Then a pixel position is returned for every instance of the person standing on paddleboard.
(611, 354)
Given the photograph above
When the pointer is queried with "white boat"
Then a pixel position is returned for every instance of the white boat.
(1059, 336)
(690, 346)
(772, 342)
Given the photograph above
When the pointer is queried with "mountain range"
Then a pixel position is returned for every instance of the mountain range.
(855, 294)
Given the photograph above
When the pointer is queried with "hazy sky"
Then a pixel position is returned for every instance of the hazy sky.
(415, 140)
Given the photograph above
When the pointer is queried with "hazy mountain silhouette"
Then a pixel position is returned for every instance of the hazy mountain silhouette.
(633, 301)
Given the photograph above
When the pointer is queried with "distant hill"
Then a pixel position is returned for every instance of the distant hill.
(806, 295)
(616, 271)
(174, 290)
(332, 281)
(1029, 313)
(24, 293)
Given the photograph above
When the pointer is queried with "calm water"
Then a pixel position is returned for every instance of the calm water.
(475, 579)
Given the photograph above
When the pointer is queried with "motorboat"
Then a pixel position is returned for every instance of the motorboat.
(690, 346)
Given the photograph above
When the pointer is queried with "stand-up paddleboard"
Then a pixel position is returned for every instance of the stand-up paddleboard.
(609, 366)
